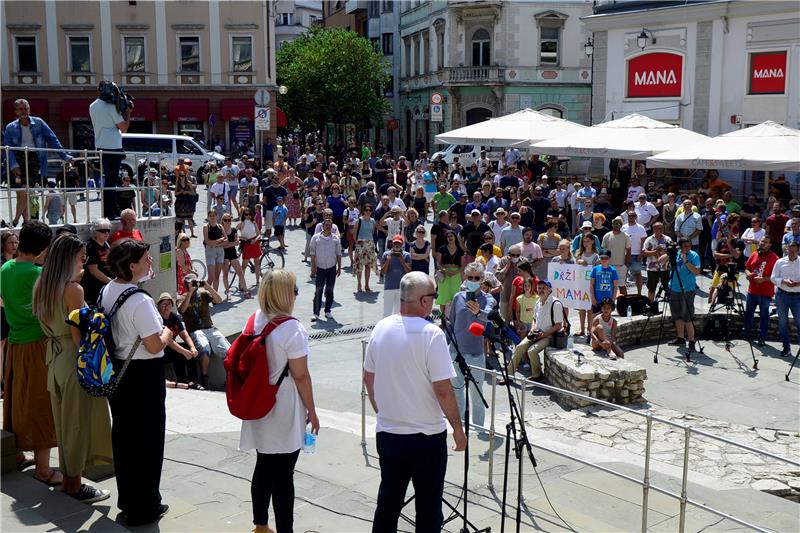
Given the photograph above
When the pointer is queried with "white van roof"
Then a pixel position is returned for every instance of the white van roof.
(157, 136)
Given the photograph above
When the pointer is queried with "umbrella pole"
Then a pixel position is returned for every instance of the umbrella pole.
(767, 175)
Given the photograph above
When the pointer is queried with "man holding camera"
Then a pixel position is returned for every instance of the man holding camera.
(682, 291)
(396, 263)
(654, 251)
(786, 277)
(109, 125)
(194, 306)
(758, 271)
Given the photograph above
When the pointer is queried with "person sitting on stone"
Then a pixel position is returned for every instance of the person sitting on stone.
(604, 331)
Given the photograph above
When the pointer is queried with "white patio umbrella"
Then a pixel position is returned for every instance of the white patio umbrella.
(520, 128)
(632, 137)
(767, 146)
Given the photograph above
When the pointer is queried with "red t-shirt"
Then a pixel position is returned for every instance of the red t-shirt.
(775, 226)
(516, 289)
(121, 234)
(762, 265)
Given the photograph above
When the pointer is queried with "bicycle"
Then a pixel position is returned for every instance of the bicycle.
(200, 267)
(272, 257)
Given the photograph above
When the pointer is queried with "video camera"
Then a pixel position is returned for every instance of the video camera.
(112, 93)
(672, 253)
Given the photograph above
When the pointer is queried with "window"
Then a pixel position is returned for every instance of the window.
(134, 54)
(79, 56)
(376, 43)
(481, 48)
(312, 19)
(242, 54)
(285, 19)
(548, 38)
(187, 147)
(407, 46)
(372, 10)
(190, 54)
(440, 49)
(388, 90)
(26, 54)
(387, 6)
(426, 52)
(387, 41)
(552, 111)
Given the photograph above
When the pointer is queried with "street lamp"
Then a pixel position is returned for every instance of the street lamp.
(641, 39)
(588, 48)
(282, 90)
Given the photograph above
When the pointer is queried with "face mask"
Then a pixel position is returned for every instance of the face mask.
(472, 286)
(514, 260)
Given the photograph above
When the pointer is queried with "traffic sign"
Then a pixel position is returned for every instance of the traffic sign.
(262, 97)
(436, 113)
(436, 98)
(262, 118)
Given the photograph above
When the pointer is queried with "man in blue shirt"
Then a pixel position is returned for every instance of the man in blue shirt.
(279, 213)
(605, 283)
(468, 306)
(682, 288)
(396, 264)
(477, 203)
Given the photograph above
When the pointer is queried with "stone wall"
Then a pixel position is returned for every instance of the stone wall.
(618, 381)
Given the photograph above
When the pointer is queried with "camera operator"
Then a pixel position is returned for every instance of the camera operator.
(758, 271)
(682, 291)
(655, 252)
(109, 125)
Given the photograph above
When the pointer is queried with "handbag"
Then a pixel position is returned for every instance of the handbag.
(559, 338)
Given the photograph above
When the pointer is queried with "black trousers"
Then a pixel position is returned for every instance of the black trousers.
(421, 459)
(273, 478)
(324, 280)
(112, 162)
(137, 438)
(185, 369)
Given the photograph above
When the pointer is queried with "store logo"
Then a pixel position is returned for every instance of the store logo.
(655, 75)
(768, 73)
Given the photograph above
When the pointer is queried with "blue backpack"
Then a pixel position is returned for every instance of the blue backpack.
(96, 372)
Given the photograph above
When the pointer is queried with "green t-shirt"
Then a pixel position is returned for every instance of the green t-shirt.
(444, 201)
(16, 289)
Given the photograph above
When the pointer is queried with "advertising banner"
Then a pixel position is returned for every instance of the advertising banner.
(768, 73)
(655, 75)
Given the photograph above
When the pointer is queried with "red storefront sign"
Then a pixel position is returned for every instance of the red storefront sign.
(655, 75)
(768, 73)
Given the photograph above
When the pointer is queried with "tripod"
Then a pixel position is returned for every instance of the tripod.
(673, 261)
(791, 367)
(521, 441)
(467, 526)
(731, 304)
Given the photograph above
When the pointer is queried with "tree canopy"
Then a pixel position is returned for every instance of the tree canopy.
(332, 75)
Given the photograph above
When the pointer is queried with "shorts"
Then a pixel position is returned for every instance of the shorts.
(268, 220)
(211, 342)
(656, 276)
(72, 198)
(681, 305)
(636, 265)
(280, 230)
(622, 272)
(215, 256)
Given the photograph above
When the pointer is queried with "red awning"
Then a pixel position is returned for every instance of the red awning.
(239, 108)
(145, 109)
(180, 110)
(280, 119)
(75, 109)
(39, 108)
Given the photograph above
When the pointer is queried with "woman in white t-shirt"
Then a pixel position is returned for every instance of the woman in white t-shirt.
(752, 236)
(137, 406)
(278, 436)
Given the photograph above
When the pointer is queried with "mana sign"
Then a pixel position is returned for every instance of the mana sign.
(655, 75)
(768, 73)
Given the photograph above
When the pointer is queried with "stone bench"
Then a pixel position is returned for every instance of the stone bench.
(617, 381)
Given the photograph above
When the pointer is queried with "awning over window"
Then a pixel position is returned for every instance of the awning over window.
(39, 108)
(145, 109)
(239, 108)
(75, 109)
(185, 110)
(280, 120)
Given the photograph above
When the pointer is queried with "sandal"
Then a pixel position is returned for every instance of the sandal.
(53, 480)
(24, 463)
(196, 386)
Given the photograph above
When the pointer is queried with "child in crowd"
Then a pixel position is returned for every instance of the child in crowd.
(525, 305)
(604, 331)
(279, 214)
(53, 203)
(220, 206)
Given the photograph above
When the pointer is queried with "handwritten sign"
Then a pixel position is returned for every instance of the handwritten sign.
(571, 284)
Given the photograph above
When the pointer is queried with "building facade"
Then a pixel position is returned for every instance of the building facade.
(295, 17)
(192, 66)
(483, 59)
(709, 66)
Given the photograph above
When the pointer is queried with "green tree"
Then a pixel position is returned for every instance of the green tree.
(333, 75)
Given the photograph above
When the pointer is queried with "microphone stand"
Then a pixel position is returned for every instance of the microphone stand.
(521, 441)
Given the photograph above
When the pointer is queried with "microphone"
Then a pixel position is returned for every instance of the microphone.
(508, 331)
(479, 330)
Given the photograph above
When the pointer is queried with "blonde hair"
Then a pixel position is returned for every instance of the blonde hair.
(276, 293)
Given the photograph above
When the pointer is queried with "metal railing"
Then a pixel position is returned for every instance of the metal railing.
(645, 482)
(88, 164)
(474, 74)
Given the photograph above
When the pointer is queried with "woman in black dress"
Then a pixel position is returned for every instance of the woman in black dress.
(420, 250)
(231, 251)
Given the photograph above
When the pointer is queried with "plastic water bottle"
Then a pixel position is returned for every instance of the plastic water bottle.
(309, 442)
(570, 343)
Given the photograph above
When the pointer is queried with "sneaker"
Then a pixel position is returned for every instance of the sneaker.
(88, 494)
(612, 356)
(329, 315)
(786, 352)
(314, 318)
(692, 346)
(677, 341)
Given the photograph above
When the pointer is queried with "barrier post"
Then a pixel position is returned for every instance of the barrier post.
(685, 480)
(522, 422)
(101, 183)
(10, 179)
(490, 485)
(363, 395)
(86, 181)
(646, 480)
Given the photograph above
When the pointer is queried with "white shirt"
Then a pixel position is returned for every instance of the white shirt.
(403, 378)
(398, 202)
(637, 233)
(105, 118)
(560, 196)
(645, 212)
(233, 169)
(283, 428)
(541, 312)
(138, 317)
(497, 229)
(749, 234)
(786, 270)
(223, 189)
(491, 264)
(531, 251)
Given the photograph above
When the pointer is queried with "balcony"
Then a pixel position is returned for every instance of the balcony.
(474, 75)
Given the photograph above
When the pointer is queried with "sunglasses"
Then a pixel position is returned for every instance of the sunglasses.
(435, 294)
(513, 255)
(103, 230)
(475, 278)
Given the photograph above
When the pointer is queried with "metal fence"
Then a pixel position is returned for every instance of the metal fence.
(689, 431)
(23, 184)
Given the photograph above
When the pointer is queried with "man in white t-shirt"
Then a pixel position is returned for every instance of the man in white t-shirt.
(109, 125)
(637, 234)
(409, 388)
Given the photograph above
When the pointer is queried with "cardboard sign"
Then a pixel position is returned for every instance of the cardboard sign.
(768, 73)
(655, 75)
(571, 284)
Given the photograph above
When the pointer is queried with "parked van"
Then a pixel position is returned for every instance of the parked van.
(468, 154)
(173, 147)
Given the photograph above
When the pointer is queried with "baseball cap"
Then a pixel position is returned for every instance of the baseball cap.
(279, 198)
(475, 212)
(616, 222)
(544, 282)
(604, 255)
(586, 224)
(397, 238)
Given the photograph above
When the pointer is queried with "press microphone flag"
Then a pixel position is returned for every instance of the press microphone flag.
(477, 329)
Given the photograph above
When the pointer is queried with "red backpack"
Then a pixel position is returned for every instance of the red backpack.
(249, 393)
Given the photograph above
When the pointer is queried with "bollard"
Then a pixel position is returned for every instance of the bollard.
(10, 186)
(685, 480)
(521, 451)
(490, 485)
(86, 182)
(363, 395)
(646, 480)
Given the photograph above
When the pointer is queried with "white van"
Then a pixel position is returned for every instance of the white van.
(172, 147)
(468, 154)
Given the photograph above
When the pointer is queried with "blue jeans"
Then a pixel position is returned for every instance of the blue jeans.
(762, 302)
(787, 302)
(477, 410)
